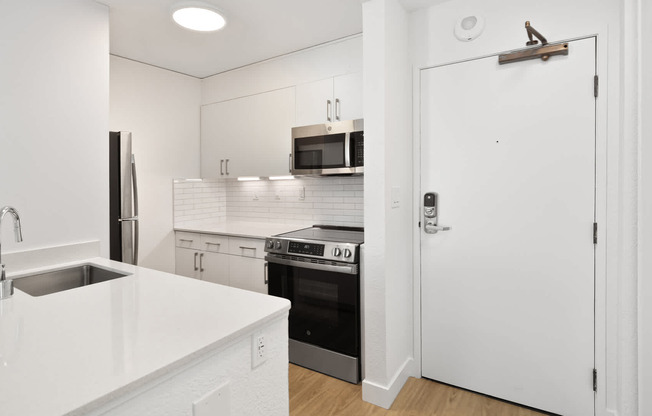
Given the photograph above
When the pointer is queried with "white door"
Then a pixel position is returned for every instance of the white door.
(508, 292)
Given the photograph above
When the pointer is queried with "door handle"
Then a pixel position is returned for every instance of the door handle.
(328, 110)
(290, 165)
(266, 272)
(430, 214)
(227, 166)
(337, 109)
(222, 167)
(195, 263)
(201, 262)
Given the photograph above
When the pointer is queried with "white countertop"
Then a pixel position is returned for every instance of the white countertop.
(72, 351)
(251, 229)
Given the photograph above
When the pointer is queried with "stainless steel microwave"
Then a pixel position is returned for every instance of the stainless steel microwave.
(328, 149)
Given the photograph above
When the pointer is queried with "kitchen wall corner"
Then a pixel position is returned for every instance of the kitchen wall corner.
(161, 109)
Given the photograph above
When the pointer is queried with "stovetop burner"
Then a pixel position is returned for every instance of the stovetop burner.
(334, 234)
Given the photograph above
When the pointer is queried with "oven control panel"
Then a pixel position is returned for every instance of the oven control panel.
(342, 252)
(306, 248)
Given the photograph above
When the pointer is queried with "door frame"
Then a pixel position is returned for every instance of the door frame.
(604, 150)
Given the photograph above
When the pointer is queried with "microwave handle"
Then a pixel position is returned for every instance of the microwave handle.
(347, 151)
(290, 163)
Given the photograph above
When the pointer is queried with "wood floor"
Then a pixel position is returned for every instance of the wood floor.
(314, 394)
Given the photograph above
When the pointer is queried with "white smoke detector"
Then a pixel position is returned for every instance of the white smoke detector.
(469, 27)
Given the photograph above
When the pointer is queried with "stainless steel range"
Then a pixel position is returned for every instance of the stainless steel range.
(318, 270)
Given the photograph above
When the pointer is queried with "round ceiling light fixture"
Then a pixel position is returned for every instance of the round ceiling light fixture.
(198, 18)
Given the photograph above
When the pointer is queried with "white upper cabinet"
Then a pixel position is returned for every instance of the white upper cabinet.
(329, 100)
(248, 136)
(347, 90)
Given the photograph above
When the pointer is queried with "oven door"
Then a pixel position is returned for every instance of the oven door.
(325, 302)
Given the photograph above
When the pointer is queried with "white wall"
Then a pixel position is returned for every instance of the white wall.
(645, 225)
(387, 286)
(161, 109)
(54, 78)
(434, 44)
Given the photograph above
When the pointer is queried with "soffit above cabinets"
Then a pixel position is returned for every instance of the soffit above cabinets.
(256, 30)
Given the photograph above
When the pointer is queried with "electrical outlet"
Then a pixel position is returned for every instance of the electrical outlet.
(258, 350)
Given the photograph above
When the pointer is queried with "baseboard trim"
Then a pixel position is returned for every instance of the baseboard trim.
(384, 395)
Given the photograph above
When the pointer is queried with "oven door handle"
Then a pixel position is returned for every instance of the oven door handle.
(346, 269)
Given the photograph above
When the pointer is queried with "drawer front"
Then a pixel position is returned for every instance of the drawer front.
(187, 240)
(247, 247)
(215, 243)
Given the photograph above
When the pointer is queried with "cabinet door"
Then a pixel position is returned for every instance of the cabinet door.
(222, 124)
(186, 261)
(247, 273)
(312, 102)
(267, 146)
(253, 133)
(216, 268)
(348, 97)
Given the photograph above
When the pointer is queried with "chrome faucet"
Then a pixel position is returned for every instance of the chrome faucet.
(7, 286)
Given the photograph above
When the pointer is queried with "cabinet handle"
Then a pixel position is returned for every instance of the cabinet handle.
(328, 110)
(201, 262)
(187, 240)
(222, 167)
(266, 272)
(290, 165)
(196, 268)
(247, 248)
(337, 109)
(227, 166)
(209, 243)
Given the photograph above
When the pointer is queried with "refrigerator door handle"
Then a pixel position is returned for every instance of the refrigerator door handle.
(135, 217)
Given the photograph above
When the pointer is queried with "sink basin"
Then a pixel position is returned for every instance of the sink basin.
(53, 281)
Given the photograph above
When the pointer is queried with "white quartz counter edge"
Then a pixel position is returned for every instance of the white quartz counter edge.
(77, 397)
(259, 230)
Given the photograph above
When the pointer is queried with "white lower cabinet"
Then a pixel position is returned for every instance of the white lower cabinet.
(231, 261)
(245, 273)
(186, 261)
(216, 268)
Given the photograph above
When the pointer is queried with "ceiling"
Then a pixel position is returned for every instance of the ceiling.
(143, 30)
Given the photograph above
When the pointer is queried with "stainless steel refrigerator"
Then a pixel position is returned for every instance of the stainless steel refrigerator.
(123, 196)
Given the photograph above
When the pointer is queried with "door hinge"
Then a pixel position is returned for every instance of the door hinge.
(595, 86)
(595, 380)
(595, 233)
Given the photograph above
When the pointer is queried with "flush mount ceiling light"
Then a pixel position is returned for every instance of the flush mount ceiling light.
(199, 18)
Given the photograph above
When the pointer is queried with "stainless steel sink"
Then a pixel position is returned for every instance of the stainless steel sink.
(53, 281)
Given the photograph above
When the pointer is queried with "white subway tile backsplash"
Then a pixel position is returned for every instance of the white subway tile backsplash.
(329, 200)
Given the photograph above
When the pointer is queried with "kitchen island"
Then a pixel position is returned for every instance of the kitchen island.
(150, 343)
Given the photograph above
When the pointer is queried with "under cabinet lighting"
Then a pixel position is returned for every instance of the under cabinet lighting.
(248, 178)
(199, 18)
(281, 178)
